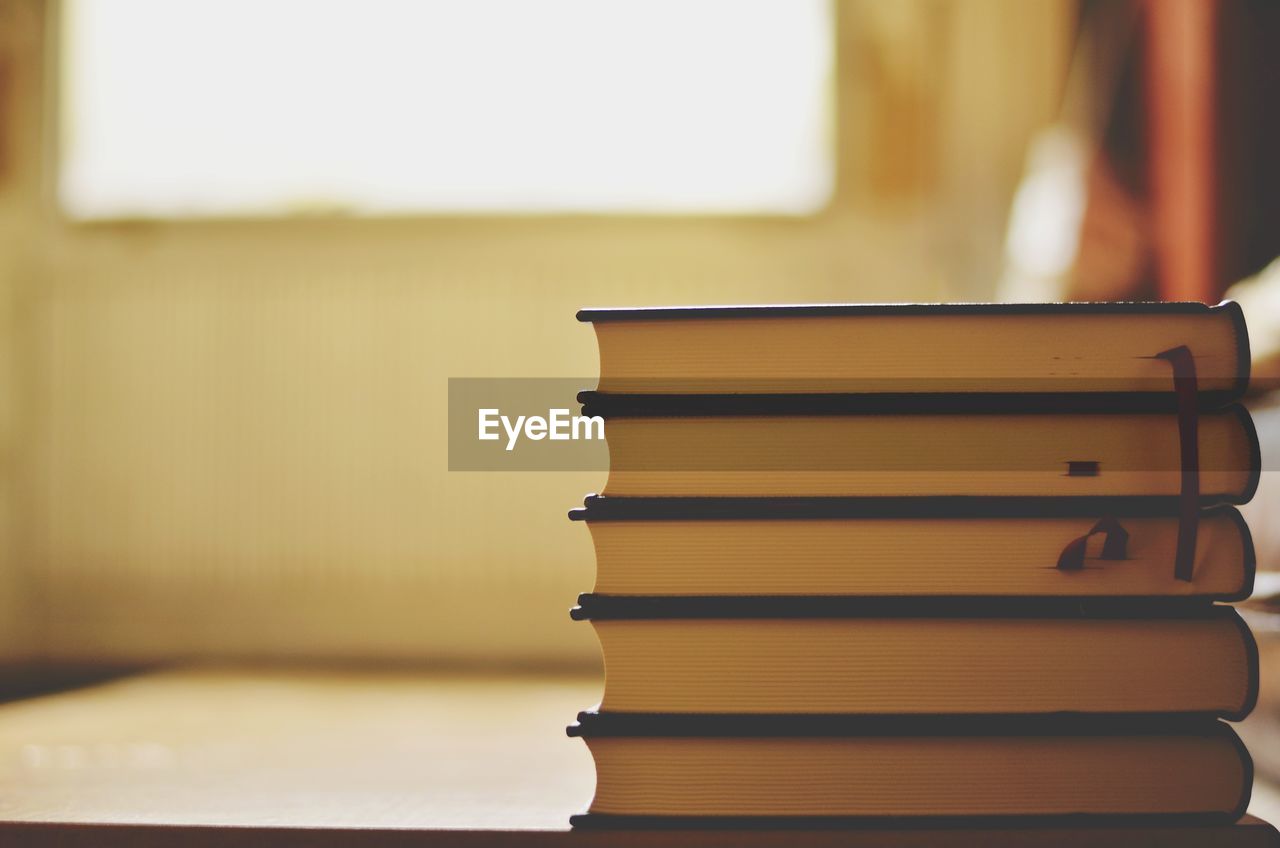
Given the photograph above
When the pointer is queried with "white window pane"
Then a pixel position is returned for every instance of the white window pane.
(232, 107)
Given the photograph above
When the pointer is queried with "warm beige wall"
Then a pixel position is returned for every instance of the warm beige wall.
(234, 439)
(20, 189)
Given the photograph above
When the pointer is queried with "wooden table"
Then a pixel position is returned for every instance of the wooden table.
(290, 758)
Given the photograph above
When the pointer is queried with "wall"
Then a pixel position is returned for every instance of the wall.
(232, 439)
(20, 189)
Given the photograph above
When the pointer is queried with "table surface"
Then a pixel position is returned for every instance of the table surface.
(395, 755)
(303, 748)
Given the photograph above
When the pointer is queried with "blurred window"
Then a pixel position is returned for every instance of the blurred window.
(193, 108)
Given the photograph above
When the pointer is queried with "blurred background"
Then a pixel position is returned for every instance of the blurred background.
(244, 244)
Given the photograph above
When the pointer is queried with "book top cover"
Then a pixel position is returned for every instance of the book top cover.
(595, 607)
(601, 508)
(832, 310)
(943, 349)
(597, 723)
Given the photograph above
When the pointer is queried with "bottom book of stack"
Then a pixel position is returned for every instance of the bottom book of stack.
(815, 770)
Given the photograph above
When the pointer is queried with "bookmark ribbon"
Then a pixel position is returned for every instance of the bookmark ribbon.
(1116, 538)
(1186, 390)
(1115, 545)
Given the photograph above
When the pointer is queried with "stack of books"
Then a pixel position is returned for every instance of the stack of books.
(921, 564)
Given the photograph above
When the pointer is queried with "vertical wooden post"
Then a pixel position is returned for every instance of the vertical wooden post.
(1181, 78)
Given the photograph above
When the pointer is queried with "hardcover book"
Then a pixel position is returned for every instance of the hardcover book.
(908, 656)
(1089, 348)
(866, 455)
(777, 770)
(909, 547)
